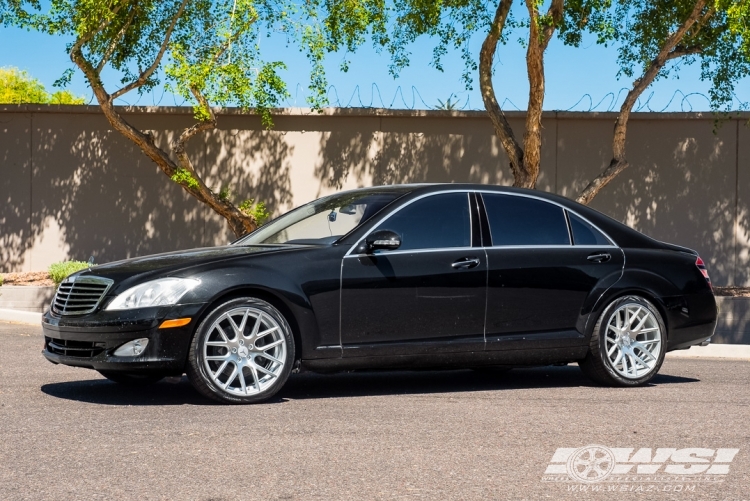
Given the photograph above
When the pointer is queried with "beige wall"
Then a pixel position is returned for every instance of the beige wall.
(71, 187)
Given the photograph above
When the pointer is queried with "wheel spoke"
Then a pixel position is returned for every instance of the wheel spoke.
(611, 350)
(643, 350)
(256, 327)
(232, 377)
(617, 359)
(243, 386)
(271, 345)
(222, 333)
(217, 357)
(267, 332)
(220, 370)
(216, 343)
(264, 370)
(255, 376)
(269, 357)
(235, 328)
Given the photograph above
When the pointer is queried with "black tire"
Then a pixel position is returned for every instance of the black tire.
(597, 365)
(198, 374)
(131, 379)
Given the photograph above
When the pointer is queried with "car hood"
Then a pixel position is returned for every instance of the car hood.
(136, 270)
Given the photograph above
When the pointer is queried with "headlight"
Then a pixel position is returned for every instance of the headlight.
(155, 293)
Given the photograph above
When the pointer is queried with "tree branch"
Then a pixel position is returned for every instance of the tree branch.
(669, 50)
(113, 44)
(145, 75)
(499, 121)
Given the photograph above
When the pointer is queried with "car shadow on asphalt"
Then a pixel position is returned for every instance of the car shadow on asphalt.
(177, 391)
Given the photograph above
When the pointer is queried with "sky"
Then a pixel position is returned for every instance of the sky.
(582, 79)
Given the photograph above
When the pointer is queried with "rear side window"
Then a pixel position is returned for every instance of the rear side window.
(518, 220)
(433, 222)
(584, 233)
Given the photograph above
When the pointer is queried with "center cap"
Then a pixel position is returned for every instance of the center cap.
(243, 351)
(625, 340)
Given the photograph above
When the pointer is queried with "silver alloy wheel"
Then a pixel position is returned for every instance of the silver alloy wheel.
(633, 341)
(244, 351)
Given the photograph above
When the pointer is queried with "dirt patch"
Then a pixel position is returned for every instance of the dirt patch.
(36, 278)
(732, 291)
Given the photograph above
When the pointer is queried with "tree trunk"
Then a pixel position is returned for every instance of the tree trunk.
(539, 37)
(670, 50)
(500, 123)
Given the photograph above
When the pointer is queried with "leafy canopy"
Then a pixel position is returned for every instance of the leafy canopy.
(719, 41)
(18, 87)
(207, 51)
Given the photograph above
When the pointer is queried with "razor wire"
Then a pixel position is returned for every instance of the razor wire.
(410, 98)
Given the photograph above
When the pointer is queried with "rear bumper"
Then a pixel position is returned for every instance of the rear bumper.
(90, 341)
(691, 320)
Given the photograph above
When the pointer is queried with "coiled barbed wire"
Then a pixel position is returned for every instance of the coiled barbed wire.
(611, 101)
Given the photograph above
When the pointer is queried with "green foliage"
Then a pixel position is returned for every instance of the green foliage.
(719, 41)
(18, 87)
(59, 271)
(1, 280)
(224, 193)
(448, 105)
(185, 178)
(257, 211)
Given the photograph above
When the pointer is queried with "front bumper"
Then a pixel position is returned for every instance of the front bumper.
(91, 340)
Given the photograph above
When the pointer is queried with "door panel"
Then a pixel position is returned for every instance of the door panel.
(417, 300)
(541, 291)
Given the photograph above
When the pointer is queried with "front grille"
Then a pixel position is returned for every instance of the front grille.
(81, 349)
(80, 295)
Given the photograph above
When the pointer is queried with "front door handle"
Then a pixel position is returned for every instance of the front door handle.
(465, 263)
(601, 257)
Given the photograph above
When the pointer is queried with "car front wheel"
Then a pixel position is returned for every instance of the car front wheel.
(242, 352)
(627, 344)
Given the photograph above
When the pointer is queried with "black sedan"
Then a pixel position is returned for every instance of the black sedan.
(415, 276)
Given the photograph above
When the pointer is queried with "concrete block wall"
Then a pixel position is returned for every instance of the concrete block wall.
(71, 187)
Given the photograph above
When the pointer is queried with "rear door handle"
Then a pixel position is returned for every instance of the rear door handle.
(465, 263)
(601, 257)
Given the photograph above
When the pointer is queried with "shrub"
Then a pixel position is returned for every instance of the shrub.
(59, 271)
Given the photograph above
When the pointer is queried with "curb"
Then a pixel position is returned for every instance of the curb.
(726, 351)
(24, 317)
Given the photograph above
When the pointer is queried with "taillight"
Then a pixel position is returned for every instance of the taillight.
(702, 267)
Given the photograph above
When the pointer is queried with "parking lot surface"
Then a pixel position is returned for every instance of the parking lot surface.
(69, 434)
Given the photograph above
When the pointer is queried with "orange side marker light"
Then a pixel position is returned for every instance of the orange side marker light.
(177, 322)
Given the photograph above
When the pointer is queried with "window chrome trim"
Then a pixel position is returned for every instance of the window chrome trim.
(490, 192)
(416, 251)
(388, 216)
(526, 195)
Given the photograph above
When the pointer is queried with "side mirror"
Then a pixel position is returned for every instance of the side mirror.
(382, 239)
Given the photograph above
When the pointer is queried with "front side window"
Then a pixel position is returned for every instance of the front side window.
(516, 220)
(433, 222)
(323, 221)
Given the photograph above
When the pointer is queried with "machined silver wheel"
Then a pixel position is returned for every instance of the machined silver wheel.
(245, 351)
(633, 341)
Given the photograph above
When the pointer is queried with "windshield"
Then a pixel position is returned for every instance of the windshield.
(323, 221)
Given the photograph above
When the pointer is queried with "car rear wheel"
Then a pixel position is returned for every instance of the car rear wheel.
(131, 379)
(627, 345)
(242, 352)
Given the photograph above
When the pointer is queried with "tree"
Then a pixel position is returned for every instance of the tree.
(203, 50)
(452, 23)
(649, 33)
(654, 33)
(18, 87)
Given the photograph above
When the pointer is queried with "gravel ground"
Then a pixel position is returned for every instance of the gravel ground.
(68, 434)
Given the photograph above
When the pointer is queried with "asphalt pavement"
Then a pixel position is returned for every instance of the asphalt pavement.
(69, 434)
